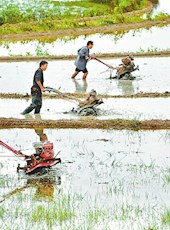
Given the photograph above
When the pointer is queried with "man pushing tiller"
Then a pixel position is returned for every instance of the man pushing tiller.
(37, 89)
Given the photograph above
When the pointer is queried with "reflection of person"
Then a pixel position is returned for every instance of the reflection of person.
(38, 156)
(126, 87)
(91, 99)
(40, 132)
(37, 89)
(44, 188)
(80, 88)
(81, 61)
(37, 116)
(43, 139)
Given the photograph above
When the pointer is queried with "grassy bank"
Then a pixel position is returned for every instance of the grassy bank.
(15, 33)
(40, 55)
(89, 123)
(93, 15)
(84, 95)
(35, 11)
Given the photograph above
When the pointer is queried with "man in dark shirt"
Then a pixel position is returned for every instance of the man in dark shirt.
(37, 89)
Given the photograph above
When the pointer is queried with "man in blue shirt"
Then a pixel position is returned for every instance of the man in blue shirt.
(81, 61)
(37, 89)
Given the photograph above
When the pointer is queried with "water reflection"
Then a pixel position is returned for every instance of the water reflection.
(126, 87)
(80, 88)
(161, 6)
(35, 116)
(112, 176)
(155, 38)
(45, 188)
(155, 4)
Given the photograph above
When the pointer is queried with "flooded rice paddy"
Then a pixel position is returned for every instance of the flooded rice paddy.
(153, 76)
(155, 38)
(140, 40)
(107, 180)
(120, 108)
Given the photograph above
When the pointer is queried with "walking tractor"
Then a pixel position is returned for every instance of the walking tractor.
(84, 108)
(124, 70)
(42, 159)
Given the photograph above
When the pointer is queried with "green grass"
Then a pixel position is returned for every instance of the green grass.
(166, 218)
(161, 16)
(95, 215)
(68, 23)
(83, 8)
(166, 176)
(17, 21)
(151, 228)
(167, 179)
(2, 211)
(57, 211)
(51, 16)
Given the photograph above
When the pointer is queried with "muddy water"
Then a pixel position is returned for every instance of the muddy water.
(112, 174)
(153, 76)
(56, 109)
(130, 41)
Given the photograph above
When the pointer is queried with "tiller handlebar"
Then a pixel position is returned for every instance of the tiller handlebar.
(109, 66)
(64, 95)
(16, 152)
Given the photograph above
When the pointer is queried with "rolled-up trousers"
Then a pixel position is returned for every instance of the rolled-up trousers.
(35, 105)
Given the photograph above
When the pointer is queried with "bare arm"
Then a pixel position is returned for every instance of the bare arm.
(40, 85)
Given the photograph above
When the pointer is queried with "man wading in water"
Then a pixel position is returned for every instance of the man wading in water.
(81, 61)
(37, 89)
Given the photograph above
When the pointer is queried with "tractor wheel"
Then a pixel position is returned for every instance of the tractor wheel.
(88, 112)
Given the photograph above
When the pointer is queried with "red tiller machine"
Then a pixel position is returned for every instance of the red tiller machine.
(43, 158)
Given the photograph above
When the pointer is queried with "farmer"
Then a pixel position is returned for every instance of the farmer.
(37, 89)
(81, 61)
